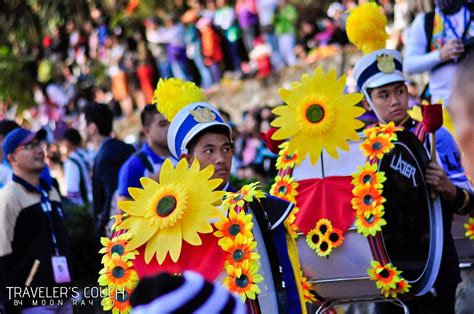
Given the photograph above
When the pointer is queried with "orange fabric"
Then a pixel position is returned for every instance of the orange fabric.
(145, 77)
(119, 86)
(211, 44)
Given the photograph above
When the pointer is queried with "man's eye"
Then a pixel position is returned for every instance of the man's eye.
(208, 151)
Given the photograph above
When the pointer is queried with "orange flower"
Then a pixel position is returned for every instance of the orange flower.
(308, 296)
(117, 221)
(367, 199)
(286, 160)
(390, 130)
(233, 225)
(469, 226)
(285, 188)
(401, 287)
(368, 174)
(116, 300)
(386, 277)
(375, 146)
(116, 245)
(243, 281)
(240, 250)
(372, 224)
(336, 237)
(118, 273)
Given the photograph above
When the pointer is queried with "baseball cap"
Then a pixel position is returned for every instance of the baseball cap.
(19, 137)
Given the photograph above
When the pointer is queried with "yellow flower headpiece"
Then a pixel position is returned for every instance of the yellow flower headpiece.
(366, 27)
(171, 95)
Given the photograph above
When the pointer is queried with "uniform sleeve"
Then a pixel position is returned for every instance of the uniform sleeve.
(415, 59)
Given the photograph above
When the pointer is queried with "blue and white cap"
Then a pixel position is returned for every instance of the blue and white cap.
(378, 68)
(188, 122)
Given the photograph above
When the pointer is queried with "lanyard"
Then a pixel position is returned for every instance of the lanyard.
(45, 205)
(467, 23)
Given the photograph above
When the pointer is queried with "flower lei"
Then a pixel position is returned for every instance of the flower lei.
(237, 240)
(368, 202)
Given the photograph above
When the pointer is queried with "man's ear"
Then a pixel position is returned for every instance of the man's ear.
(11, 158)
(366, 105)
(188, 158)
(92, 128)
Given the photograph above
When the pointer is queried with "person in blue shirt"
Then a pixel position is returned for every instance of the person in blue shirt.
(148, 160)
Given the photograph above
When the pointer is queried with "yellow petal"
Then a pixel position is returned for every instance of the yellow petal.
(140, 229)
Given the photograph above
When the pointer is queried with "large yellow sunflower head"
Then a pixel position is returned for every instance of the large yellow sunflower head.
(177, 208)
(317, 112)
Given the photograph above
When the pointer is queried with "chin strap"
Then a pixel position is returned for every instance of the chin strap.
(371, 104)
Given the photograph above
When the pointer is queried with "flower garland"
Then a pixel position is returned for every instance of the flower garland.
(238, 241)
(469, 226)
(324, 237)
(388, 279)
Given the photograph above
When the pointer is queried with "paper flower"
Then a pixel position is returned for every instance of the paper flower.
(375, 146)
(243, 281)
(240, 249)
(368, 174)
(370, 225)
(235, 224)
(317, 115)
(385, 276)
(367, 199)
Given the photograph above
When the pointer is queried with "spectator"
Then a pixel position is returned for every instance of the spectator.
(266, 11)
(247, 16)
(111, 154)
(157, 47)
(211, 47)
(173, 35)
(285, 21)
(33, 241)
(6, 126)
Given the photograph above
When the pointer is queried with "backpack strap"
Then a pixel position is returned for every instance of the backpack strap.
(145, 161)
(429, 24)
(82, 181)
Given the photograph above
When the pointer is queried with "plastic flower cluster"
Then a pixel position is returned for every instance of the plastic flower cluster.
(324, 237)
(388, 279)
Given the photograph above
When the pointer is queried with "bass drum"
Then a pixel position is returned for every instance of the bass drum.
(412, 240)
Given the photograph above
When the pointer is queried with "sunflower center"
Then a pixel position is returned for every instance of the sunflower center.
(370, 219)
(376, 146)
(315, 238)
(384, 273)
(367, 178)
(324, 246)
(289, 157)
(117, 248)
(334, 237)
(368, 199)
(242, 281)
(238, 255)
(166, 206)
(118, 272)
(315, 113)
(234, 229)
(323, 229)
(121, 296)
(282, 189)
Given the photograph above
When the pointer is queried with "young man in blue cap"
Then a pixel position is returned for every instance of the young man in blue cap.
(198, 131)
(379, 76)
(33, 245)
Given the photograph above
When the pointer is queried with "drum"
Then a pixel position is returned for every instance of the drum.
(411, 240)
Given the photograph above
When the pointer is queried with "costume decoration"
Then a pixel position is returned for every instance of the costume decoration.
(284, 188)
(287, 160)
(177, 209)
(119, 273)
(116, 245)
(171, 95)
(324, 237)
(307, 287)
(247, 193)
(116, 300)
(243, 281)
(388, 279)
(469, 226)
(366, 27)
(317, 112)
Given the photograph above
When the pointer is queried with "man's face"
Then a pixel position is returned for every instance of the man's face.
(390, 101)
(157, 131)
(214, 149)
(29, 157)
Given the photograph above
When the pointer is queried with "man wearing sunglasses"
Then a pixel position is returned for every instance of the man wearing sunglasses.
(33, 245)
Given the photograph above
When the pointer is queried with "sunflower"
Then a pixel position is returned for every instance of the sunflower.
(370, 225)
(336, 237)
(116, 245)
(118, 273)
(368, 174)
(235, 224)
(116, 300)
(367, 199)
(290, 223)
(241, 249)
(324, 226)
(313, 238)
(324, 248)
(401, 287)
(469, 226)
(285, 188)
(178, 208)
(386, 277)
(117, 221)
(308, 296)
(390, 130)
(317, 115)
(376, 145)
(243, 281)
(247, 193)
(286, 160)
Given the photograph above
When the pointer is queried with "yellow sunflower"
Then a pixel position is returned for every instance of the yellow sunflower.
(367, 199)
(390, 130)
(247, 193)
(230, 227)
(178, 208)
(469, 226)
(368, 174)
(285, 188)
(241, 249)
(336, 237)
(243, 281)
(307, 287)
(370, 225)
(324, 226)
(116, 300)
(317, 115)
(117, 221)
(287, 160)
(401, 287)
(375, 146)
(116, 245)
(386, 277)
(118, 272)
(324, 248)
(314, 238)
